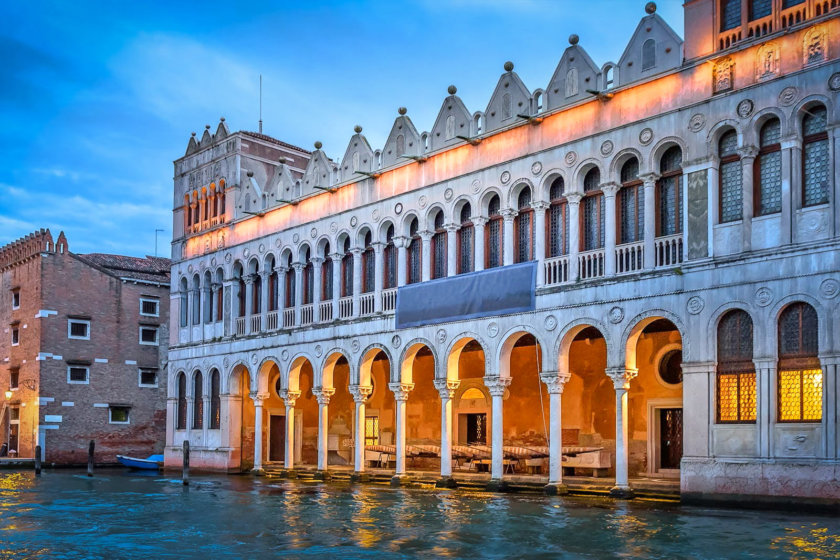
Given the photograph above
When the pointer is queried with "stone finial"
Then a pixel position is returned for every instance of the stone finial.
(452, 90)
(402, 110)
(222, 119)
(508, 66)
(281, 160)
(250, 173)
(650, 7)
(192, 133)
(357, 128)
(207, 126)
(573, 39)
(318, 144)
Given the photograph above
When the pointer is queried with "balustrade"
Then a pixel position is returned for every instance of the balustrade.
(325, 309)
(256, 323)
(307, 313)
(389, 299)
(591, 264)
(366, 303)
(345, 307)
(669, 250)
(556, 270)
(239, 326)
(288, 317)
(629, 257)
(272, 320)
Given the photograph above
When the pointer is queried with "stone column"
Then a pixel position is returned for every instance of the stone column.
(573, 200)
(214, 305)
(289, 397)
(765, 386)
(610, 190)
(360, 394)
(357, 280)
(401, 243)
(171, 419)
(540, 208)
(508, 216)
(786, 233)
(298, 290)
(323, 395)
(426, 256)
(190, 409)
(478, 243)
(205, 420)
(831, 371)
(265, 278)
(400, 391)
(621, 381)
(258, 399)
(195, 306)
(649, 252)
(316, 288)
(249, 300)
(496, 386)
(378, 275)
(336, 293)
(446, 389)
(281, 290)
(555, 381)
(748, 154)
(452, 249)
(231, 296)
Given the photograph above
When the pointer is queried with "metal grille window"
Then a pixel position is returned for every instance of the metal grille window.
(493, 232)
(736, 380)
(730, 14)
(631, 204)
(308, 281)
(769, 193)
(390, 258)
(760, 9)
(815, 163)
(669, 193)
(291, 281)
(198, 401)
(415, 249)
(368, 266)
(524, 227)
(372, 430)
(465, 241)
(78, 374)
(800, 378)
(215, 400)
(439, 248)
(181, 423)
(327, 276)
(558, 220)
(347, 271)
(731, 178)
(593, 211)
(149, 307)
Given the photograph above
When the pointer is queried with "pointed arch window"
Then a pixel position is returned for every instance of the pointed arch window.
(593, 211)
(390, 260)
(466, 237)
(669, 204)
(768, 191)
(368, 265)
(327, 275)
(181, 423)
(558, 219)
(241, 304)
(731, 178)
(415, 248)
(215, 400)
(439, 247)
(220, 200)
(198, 401)
(736, 381)
(815, 164)
(631, 204)
(308, 278)
(648, 54)
(256, 292)
(196, 218)
(524, 227)
(347, 270)
(800, 378)
(493, 234)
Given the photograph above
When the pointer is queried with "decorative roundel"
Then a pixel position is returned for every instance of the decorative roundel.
(536, 168)
(201, 265)
(606, 148)
(763, 297)
(398, 208)
(695, 305)
(788, 96)
(355, 346)
(246, 252)
(448, 194)
(254, 359)
(313, 233)
(228, 258)
(492, 330)
(571, 158)
(423, 201)
(284, 355)
(646, 136)
(333, 227)
(376, 215)
(318, 350)
(505, 177)
(396, 341)
(830, 288)
(745, 108)
(278, 242)
(213, 261)
(440, 336)
(696, 122)
(476, 186)
(296, 238)
(353, 221)
(189, 268)
(834, 82)
(616, 315)
(262, 248)
(226, 362)
(550, 323)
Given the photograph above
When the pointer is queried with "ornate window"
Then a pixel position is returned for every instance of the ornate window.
(390, 258)
(181, 422)
(631, 204)
(768, 194)
(524, 227)
(466, 235)
(760, 9)
(415, 256)
(290, 283)
(800, 375)
(256, 293)
(368, 265)
(241, 304)
(648, 54)
(493, 234)
(593, 211)
(731, 178)
(347, 270)
(558, 220)
(439, 248)
(669, 204)
(730, 14)
(187, 214)
(815, 162)
(736, 382)
(198, 401)
(308, 278)
(215, 400)
(220, 296)
(272, 287)
(327, 275)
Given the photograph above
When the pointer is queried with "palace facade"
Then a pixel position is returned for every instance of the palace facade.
(632, 272)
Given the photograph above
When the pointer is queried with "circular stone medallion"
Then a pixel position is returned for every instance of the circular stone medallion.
(353, 221)
(398, 208)
(492, 330)
(476, 186)
(696, 122)
(745, 108)
(550, 323)
(763, 297)
(448, 194)
(376, 214)
(396, 341)
(423, 201)
(606, 148)
(296, 238)
(313, 233)
(788, 96)
(616, 315)
(695, 305)
(834, 82)
(536, 167)
(505, 177)
(571, 158)
(830, 288)
(646, 136)
(440, 336)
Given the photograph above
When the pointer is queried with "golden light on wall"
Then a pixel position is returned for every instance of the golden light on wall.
(800, 395)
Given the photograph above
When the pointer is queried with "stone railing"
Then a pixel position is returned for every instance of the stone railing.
(629, 257)
(272, 320)
(345, 307)
(325, 311)
(389, 300)
(669, 250)
(288, 317)
(256, 323)
(239, 326)
(366, 303)
(556, 270)
(307, 313)
(591, 264)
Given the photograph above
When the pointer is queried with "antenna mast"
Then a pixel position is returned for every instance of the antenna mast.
(260, 103)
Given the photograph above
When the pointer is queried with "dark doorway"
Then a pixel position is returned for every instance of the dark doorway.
(277, 441)
(670, 434)
(476, 429)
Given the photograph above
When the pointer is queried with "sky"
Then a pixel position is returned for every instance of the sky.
(99, 98)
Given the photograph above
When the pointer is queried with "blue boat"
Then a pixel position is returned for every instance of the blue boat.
(150, 463)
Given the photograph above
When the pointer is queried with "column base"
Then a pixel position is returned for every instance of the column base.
(446, 482)
(498, 485)
(288, 473)
(556, 489)
(322, 475)
(258, 471)
(622, 493)
(400, 480)
(360, 477)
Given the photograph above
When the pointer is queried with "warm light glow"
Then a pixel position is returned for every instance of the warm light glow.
(8, 395)
(736, 397)
(800, 395)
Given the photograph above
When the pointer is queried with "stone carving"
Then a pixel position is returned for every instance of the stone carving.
(767, 62)
(254, 359)
(295, 238)
(353, 221)
(763, 297)
(278, 242)
(571, 158)
(695, 305)
(505, 177)
(606, 147)
(448, 194)
(834, 82)
(722, 75)
(189, 268)
(476, 186)
(550, 323)
(376, 215)
(815, 45)
(696, 122)
(571, 82)
(284, 355)
(440, 336)
(646, 136)
(396, 341)
(812, 223)
(221, 243)
(202, 265)
(616, 315)
(829, 288)
(228, 258)
(698, 211)
(333, 227)
(536, 167)
(246, 252)
(213, 261)
(745, 108)
(492, 330)
(318, 350)
(398, 208)
(313, 233)
(226, 362)
(788, 96)
(355, 346)
(261, 248)
(423, 201)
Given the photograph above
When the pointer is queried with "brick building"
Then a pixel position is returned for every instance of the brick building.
(83, 347)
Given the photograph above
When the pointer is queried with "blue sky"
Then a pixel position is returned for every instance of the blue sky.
(100, 98)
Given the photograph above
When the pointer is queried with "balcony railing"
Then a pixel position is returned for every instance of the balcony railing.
(389, 300)
(325, 311)
(288, 317)
(345, 307)
(256, 323)
(239, 326)
(272, 320)
(669, 250)
(629, 257)
(307, 314)
(366, 303)
(591, 264)
(556, 270)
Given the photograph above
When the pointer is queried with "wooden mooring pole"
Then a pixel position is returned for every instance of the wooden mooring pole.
(185, 476)
(90, 458)
(37, 460)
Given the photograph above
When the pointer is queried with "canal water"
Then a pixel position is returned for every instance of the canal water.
(63, 514)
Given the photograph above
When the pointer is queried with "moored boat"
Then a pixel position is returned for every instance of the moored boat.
(152, 462)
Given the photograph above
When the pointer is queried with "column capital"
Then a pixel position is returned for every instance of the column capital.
(508, 214)
(401, 390)
(555, 381)
(621, 377)
(452, 228)
(401, 241)
(357, 252)
(206, 289)
(289, 397)
(764, 363)
(610, 189)
(447, 387)
(830, 360)
(323, 394)
(747, 152)
(426, 235)
(377, 246)
(280, 269)
(497, 385)
(689, 368)
(360, 392)
(258, 398)
(539, 205)
(215, 286)
(479, 221)
(789, 142)
(249, 278)
(298, 266)
(336, 257)
(574, 198)
(649, 179)
(316, 261)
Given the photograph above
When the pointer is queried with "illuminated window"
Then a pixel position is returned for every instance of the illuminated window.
(593, 211)
(181, 420)
(815, 165)
(415, 250)
(631, 204)
(800, 376)
(198, 401)
(736, 381)
(466, 235)
(731, 178)
(493, 234)
(669, 193)
(524, 227)
(768, 195)
(471, 394)
(215, 400)
(372, 430)
(118, 414)
(439, 248)
(558, 220)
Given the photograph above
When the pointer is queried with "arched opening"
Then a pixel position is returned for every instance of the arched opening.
(524, 227)
(241, 416)
(768, 190)
(815, 160)
(423, 419)
(631, 203)
(379, 429)
(198, 401)
(439, 247)
(800, 375)
(181, 421)
(335, 382)
(215, 399)
(731, 178)
(736, 380)
(389, 275)
(669, 202)
(466, 240)
(493, 234)
(470, 407)
(326, 275)
(414, 255)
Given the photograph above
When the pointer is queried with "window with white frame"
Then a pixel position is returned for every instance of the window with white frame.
(15, 335)
(15, 299)
(147, 377)
(78, 329)
(14, 378)
(149, 335)
(149, 307)
(118, 414)
(78, 374)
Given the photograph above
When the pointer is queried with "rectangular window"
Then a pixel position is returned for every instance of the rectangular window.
(815, 169)
(15, 299)
(14, 378)
(730, 14)
(760, 9)
(770, 183)
(372, 430)
(78, 329)
(149, 307)
(736, 398)
(118, 414)
(78, 374)
(15, 336)
(149, 335)
(731, 178)
(800, 395)
(148, 377)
